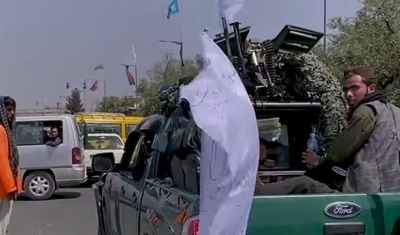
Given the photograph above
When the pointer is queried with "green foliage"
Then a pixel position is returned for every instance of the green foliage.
(371, 38)
(74, 103)
(116, 104)
(168, 71)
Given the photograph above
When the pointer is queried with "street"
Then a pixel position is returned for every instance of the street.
(69, 211)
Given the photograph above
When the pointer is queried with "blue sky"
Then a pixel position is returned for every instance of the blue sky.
(46, 43)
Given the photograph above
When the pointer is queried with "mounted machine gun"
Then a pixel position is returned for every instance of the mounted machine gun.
(285, 81)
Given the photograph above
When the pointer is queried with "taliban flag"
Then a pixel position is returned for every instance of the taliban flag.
(221, 108)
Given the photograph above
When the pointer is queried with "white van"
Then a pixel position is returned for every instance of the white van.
(45, 168)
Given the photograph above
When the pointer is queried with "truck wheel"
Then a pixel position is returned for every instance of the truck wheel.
(39, 185)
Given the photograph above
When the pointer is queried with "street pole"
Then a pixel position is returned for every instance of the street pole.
(324, 26)
(84, 93)
(180, 50)
(105, 95)
(136, 82)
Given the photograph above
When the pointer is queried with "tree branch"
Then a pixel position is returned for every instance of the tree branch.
(389, 27)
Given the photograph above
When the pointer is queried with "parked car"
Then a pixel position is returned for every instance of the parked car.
(45, 168)
(101, 143)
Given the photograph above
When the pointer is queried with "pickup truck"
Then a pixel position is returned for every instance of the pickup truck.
(146, 195)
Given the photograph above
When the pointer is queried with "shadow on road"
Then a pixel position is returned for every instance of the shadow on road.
(87, 184)
(56, 196)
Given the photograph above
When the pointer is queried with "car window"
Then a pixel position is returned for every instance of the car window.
(36, 132)
(129, 128)
(104, 128)
(29, 133)
(100, 142)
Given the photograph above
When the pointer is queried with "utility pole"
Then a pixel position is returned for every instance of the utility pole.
(180, 44)
(324, 26)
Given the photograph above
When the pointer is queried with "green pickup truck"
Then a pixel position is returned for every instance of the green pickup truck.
(154, 190)
(145, 195)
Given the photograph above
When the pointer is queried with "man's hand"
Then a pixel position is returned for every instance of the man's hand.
(309, 158)
(259, 183)
(12, 195)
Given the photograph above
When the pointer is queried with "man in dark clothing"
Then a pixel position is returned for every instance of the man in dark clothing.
(56, 137)
(296, 185)
(370, 144)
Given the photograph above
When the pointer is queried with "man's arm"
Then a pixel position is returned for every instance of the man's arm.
(7, 181)
(57, 141)
(360, 127)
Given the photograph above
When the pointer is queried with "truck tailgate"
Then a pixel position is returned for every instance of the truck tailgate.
(306, 215)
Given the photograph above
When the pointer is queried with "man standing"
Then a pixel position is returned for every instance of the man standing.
(10, 181)
(371, 142)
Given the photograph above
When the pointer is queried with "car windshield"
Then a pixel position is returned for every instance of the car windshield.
(104, 142)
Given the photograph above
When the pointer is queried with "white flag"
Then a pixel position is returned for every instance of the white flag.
(229, 145)
(230, 8)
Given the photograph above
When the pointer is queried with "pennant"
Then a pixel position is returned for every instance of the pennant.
(100, 66)
(221, 108)
(94, 86)
(68, 86)
(131, 78)
(173, 9)
(230, 8)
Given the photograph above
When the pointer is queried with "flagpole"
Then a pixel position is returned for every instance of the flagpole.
(181, 34)
(324, 26)
(136, 82)
(105, 95)
(84, 93)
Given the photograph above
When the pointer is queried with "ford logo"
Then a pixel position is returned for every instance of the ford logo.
(342, 210)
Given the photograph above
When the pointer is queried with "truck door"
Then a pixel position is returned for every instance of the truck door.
(170, 199)
(112, 204)
(130, 193)
(117, 195)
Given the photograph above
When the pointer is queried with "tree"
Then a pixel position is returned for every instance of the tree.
(369, 39)
(74, 102)
(117, 104)
(168, 71)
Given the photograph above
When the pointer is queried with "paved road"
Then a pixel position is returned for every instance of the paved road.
(70, 211)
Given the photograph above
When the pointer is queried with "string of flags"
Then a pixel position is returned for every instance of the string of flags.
(94, 87)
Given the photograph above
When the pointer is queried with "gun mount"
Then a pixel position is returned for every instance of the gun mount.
(283, 79)
(258, 63)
